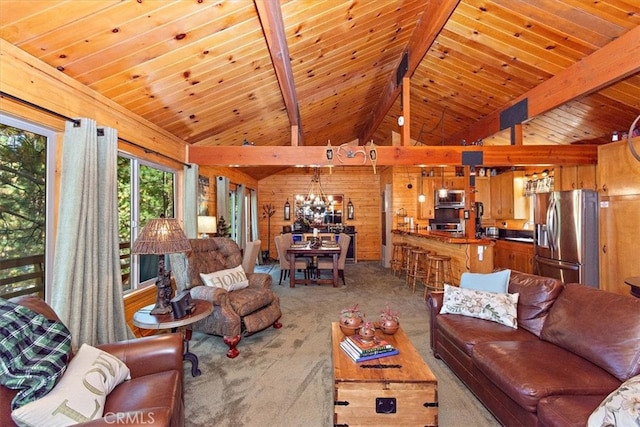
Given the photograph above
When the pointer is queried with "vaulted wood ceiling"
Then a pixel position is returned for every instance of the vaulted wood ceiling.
(215, 73)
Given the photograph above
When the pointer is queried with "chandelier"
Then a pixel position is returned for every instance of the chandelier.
(315, 197)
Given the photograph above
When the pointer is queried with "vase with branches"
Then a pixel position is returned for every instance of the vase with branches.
(267, 212)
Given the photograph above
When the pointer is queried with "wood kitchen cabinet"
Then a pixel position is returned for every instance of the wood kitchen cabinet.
(618, 171)
(581, 177)
(483, 194)
(507, 196)
(619, 195)
(455, 182)
(426, 210)
(513, 255)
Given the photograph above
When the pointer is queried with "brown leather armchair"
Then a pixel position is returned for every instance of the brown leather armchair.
(235, 313)
(155, 390)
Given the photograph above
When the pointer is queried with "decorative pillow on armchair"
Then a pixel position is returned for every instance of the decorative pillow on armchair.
(620, 408)
(80, 394)
(494, 306)
(230, 280)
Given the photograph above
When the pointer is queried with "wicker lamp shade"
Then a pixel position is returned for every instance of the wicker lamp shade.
(161, 236)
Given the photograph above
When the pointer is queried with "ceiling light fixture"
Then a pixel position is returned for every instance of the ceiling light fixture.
(329, 155)
(442, 191)
(315, 197)
(421, 197)
(373, 155)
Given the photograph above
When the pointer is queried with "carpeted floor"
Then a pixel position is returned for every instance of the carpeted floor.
(284, 377)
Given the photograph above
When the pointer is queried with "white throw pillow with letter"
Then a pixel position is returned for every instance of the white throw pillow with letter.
(80, 394)
(230, 280)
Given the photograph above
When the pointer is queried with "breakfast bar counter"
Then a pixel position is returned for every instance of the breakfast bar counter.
(467, 254)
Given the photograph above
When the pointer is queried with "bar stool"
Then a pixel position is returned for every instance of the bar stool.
(406, 259)
(418, 266)
(438, 273)
(397, 258)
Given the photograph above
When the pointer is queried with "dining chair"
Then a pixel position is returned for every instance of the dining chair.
(250, 257)
(327, 263)
(282, 244)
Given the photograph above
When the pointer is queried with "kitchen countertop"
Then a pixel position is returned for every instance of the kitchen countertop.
(445, 237)
(518, 239)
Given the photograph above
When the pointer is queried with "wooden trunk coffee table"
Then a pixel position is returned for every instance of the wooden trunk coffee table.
(394, 390)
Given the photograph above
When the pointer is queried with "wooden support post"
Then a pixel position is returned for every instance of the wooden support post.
(516, 134)
(406, 111)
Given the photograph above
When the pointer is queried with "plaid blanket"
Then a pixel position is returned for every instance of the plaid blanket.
(34, 352)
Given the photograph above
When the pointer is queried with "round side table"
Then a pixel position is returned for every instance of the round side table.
(634, 283)
(145, 320)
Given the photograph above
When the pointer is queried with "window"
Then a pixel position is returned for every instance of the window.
(25, 215)
(27, 152)
(145, 191)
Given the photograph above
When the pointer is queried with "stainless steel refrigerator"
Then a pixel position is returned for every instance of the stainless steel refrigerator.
(566, 236)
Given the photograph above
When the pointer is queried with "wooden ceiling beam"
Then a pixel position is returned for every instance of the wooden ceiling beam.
(614, 62)
(270, 16)
(435, 15)
(493, 156)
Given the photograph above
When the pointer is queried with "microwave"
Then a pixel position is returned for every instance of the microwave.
(453, 199)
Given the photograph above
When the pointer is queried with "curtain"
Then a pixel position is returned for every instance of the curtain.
(190, 213)
(87, 282)
(254, 218)
(222, 199)
(254, 215)
(242, 217)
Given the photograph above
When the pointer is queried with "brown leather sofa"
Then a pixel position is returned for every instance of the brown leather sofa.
(236, 313)
(573, 346)
(154, 392)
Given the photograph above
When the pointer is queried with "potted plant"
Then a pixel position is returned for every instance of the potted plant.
(367, 331)
(351, 319)
(389, 321)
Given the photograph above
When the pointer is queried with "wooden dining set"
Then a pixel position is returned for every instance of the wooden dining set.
(312, 255)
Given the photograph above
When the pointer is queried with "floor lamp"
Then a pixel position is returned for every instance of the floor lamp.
(161, 236)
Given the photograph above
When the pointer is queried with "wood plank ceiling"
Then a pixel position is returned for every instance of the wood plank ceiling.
(203, 69)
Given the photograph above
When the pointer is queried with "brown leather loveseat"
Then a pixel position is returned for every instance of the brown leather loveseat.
(573, 346)
(154, 392)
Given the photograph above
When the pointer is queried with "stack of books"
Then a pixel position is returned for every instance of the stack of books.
(359, 350)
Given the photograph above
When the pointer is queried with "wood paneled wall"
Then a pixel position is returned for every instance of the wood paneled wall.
(356, 183)
(134, 301)
(404, 197)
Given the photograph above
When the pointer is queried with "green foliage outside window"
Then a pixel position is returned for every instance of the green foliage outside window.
(155, 198)
(23, 158)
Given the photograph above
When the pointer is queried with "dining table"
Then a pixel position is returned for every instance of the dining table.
(308, 250)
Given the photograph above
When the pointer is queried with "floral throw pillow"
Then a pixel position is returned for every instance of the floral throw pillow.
(494, 306)
(620, 408)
